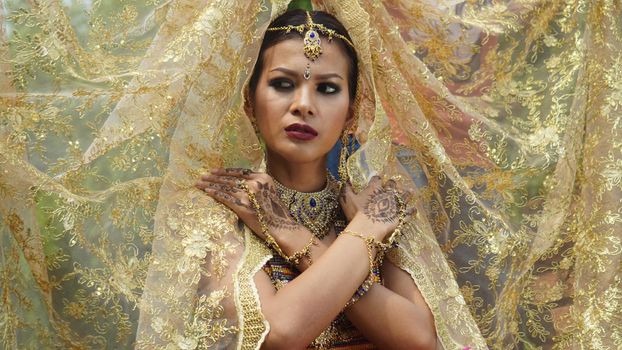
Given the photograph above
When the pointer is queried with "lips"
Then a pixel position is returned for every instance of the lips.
(301, 132)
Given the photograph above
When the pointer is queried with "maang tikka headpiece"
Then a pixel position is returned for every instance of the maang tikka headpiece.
(311, 39)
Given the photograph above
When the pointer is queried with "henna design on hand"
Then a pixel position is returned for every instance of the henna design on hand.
(225, 197)
(243, 205)
(243, 171)
(381, 207)
(277, 216)
(223, 188)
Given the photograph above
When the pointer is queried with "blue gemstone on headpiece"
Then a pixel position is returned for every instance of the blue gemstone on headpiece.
(313, 202)
(312, 35)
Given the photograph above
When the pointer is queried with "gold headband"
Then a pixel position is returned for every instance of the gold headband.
(312, 48)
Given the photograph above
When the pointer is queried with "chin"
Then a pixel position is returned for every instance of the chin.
(302, 158)
(300, 155)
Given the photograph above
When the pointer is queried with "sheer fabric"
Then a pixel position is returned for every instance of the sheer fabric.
(503, 116)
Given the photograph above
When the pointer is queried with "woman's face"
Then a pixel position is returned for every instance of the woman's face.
(300, 120)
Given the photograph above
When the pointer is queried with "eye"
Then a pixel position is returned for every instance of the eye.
(281, 84)
(328, 88)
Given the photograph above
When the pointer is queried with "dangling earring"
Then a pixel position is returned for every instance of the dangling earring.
(343, 157)
(254, 124)
(250, 111)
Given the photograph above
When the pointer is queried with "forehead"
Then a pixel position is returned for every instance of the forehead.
(289, 53)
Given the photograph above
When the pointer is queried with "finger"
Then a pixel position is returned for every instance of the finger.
(374, 183)
(375, 179)
(219, 187)
(228, 199)
(407, 196)
(346, 192)
(213, 175)
(201, 184)
(346, 189)
(391, 184)
(407, 199)
(223, 179)
(232, 171)
(242, 188)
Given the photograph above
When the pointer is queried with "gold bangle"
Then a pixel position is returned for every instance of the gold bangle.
(369, 240)
(361, 291)
(374, 264)
(370, 243)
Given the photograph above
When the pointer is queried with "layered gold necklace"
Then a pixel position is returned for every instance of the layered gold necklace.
(317, 211)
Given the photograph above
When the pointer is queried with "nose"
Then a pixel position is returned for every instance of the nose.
(303, 105)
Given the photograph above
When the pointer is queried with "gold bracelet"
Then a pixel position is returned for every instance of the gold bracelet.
(400, 223)
(360, 292)
(374, 264)
(369, 240)
(295, 258)
(371, 243)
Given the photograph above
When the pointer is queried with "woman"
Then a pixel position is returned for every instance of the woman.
(301, 105)
(324, 283)
(500, 119)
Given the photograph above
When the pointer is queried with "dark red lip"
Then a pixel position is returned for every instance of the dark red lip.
(301, 131)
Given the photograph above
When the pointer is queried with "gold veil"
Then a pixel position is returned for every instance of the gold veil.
(502, 116)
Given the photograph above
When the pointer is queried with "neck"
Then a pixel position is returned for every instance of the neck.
(302, 177)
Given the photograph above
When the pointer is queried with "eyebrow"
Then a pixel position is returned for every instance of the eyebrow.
(294, 73)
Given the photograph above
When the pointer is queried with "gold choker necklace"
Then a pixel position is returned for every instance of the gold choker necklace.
(316, 211)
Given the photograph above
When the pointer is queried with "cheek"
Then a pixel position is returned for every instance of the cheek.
(342, 112)
(338, 119)
(260, 101)
(267, 111)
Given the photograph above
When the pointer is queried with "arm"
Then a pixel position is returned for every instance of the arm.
(301, 310)
(393, 316)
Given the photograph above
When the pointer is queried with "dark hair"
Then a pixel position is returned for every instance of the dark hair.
(297, 17)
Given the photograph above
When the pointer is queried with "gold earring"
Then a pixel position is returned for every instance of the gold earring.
(343, 157)
(251, 117)
(249, 109)
(254, 124)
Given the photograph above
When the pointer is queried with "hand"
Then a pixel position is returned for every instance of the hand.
(227, 187)
(377, 206)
